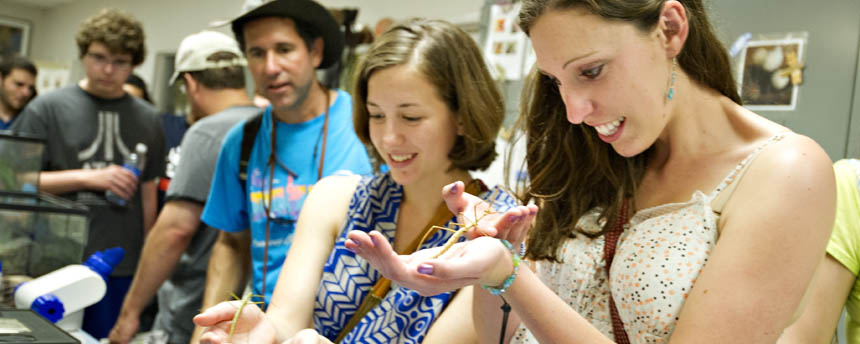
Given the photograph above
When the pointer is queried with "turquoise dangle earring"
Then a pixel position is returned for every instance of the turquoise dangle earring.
(671, 93)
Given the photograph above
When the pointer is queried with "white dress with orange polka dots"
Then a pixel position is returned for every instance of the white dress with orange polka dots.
(658, 257)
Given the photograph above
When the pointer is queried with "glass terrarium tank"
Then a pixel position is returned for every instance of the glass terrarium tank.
(39, 233)
(20, 162)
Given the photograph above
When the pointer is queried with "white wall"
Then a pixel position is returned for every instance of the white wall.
(370, 11)
(166, 22)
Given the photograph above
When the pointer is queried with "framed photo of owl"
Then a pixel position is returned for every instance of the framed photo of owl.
(770, 73)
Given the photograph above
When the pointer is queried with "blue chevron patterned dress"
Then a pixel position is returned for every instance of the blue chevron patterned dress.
(402, 316)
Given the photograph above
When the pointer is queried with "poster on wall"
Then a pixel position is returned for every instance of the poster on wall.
(51, 76)
(14, 36)
(506, 44)
(770, 71)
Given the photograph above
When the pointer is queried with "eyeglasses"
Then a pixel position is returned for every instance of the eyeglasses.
(101, 61)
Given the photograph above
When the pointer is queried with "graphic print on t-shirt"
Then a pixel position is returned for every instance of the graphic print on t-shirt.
(107, 137)
(172, 162)
(284, 203)
(102, 151)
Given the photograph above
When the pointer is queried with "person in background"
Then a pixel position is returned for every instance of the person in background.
(836, 285)
(17, 87)
(304, 135)
(91, 128)
(176, 252)
(175, 126)
(668, 211)
(382, 25)
(174, 129)
(428, 141)
(137, 87)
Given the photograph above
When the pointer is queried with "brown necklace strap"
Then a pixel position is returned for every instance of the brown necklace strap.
(610, 242)
(324, 135)
(268, 220)
(272, 160)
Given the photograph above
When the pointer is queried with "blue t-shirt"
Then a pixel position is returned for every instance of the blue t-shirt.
(299, 147)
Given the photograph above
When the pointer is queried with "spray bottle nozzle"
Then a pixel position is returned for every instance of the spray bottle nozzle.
(104, 262)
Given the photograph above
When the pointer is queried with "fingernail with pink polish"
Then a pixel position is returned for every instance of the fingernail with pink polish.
(373, 240)
(425, 269)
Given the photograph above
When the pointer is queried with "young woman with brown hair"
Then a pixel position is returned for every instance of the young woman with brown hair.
(431, 114)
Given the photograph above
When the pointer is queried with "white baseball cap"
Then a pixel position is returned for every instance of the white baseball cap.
(196, 48)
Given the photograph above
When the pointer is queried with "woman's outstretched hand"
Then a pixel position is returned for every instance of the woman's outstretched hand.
(482, 260)
(251, 327)
(511, 225)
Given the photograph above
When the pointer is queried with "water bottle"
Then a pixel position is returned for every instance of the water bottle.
(134, 163)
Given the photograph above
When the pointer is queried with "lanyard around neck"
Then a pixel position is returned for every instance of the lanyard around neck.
(273, 159)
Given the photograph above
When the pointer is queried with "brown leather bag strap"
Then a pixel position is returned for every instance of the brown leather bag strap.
(611, 240)
(383, 285)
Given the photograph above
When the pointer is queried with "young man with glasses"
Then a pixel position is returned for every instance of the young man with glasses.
(91, 128)
(310, 128)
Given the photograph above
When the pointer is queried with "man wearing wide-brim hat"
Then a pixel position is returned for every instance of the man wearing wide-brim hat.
(310, 128)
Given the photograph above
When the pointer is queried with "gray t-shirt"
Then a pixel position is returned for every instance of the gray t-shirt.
(181, 296)
(83, 131)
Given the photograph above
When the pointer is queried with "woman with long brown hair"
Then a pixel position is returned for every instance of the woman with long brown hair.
(669, 213)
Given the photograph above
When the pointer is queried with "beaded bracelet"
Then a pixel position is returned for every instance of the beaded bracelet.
(510, 280)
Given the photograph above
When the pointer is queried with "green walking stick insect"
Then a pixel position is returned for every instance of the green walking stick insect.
(458, 232)
(245, 301)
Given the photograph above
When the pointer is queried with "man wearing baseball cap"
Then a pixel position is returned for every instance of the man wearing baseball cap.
(304, 135)
(176, 252)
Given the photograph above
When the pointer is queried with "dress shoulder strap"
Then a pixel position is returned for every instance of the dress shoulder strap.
(723, 192)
